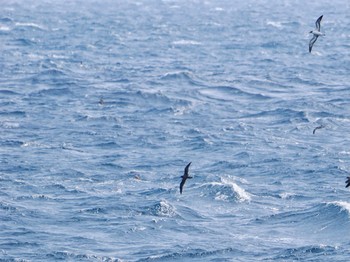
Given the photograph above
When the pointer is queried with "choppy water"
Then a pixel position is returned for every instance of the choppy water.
(104, 104)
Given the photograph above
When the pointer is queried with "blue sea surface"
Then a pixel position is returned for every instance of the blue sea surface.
(104, 103)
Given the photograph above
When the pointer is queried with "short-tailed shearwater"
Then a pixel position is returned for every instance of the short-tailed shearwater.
(184, 177)
(347, 181)
(316, 33)
(318, 127)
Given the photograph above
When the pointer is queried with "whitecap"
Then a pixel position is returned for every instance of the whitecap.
(345, 206)
(186, 42)
(33, 25)
(163, 209)
(242, 195)
(225, 190)
(4, 28)
(274, 24)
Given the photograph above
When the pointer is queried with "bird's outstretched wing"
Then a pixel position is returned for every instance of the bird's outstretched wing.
(318, 23)
(347, 181)
(182, 184)
(312, 41)
(318, 127)
(186, 169)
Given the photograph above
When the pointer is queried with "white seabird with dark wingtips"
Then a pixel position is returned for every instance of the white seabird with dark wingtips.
(316, 33)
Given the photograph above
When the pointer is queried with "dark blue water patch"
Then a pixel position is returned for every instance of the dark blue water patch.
(104, 118)
(24, 42)
(52, 72)
(13, 113)
(95, 210)
(230, 93)
(7, 207)
(52, 92)
(10, 243)
(154, 191)
(306, 253)
(72, 256)
(6, 20)
(226, 254)
(11, 143)
(282, 116)
(322, 218)
(8, 92)
(271, 45)
(228, 165)
(330, 115)
(60, 189)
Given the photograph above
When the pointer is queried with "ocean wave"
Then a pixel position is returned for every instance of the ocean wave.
(282, 116)
(30, 25)
(6, 20)
(229, 93)
(315, 253)
(8, 92)
(71, 256)
(34, 197)
(199, 254)
(4, 28)
(186, 42)
(25, 42)
(52, 92)
(226, 190)
(323, 218)
(339, 207)
(162, 208)
(11, 143)
(275, 24)
(13, 113)
(181, 76)
(7, 207)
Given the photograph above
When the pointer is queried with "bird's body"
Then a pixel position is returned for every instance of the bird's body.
(316, 33)
(347, 181)
(184, 177)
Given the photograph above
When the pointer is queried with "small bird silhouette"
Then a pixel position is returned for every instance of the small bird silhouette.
(184, 177)
(316, 33)
(318, 127)
(347, 181)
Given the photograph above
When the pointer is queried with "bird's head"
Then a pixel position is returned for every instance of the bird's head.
(310, 32)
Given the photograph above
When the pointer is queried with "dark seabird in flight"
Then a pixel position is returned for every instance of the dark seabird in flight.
(316, 33)
(184, 177)
(347, 181)
(318, 127)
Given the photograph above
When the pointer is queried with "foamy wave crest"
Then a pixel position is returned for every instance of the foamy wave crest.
(226, 190)
(32, 25)
(186, 42)
(344, 206)
(274, 24)
(241, 193)
(163, 209)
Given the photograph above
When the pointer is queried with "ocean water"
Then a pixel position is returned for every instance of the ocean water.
(103, 104)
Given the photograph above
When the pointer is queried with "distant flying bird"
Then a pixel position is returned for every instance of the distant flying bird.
(316, 33)
(184, 177)
(101, 102)
(347, 181)
(318, 127)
